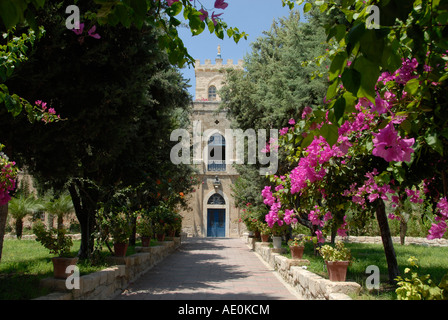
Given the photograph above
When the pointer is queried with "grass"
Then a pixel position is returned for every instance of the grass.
(431, 260)
(25, 262)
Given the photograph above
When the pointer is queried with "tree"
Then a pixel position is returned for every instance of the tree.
(117, 93)
(403, 87)
(22, 206)
(160, 14)
(59, 207)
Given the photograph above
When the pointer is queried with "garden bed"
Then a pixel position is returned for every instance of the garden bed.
(25, 263)
(433, 260)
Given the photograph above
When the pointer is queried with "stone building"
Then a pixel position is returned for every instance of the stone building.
(213, 212)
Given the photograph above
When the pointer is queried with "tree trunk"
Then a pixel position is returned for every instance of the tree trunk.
(60, 221)
(133, 236)
(84, 203)
(392, 264)
(19, 228)
(3, 215)
(333, 234)
(403, 230)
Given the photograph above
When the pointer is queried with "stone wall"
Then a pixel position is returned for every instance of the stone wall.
(408, 240)
(307, 284)
(109, 282)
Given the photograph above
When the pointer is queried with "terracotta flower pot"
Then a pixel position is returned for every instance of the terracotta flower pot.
(337, 270)
(120, 249)
(146, 241)
(60, 265)
(257, 234)
(264, 238)
(297, 252)
(160, 237)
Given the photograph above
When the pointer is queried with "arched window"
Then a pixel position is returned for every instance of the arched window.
(216, 153)
(212, 93)
(216, 198)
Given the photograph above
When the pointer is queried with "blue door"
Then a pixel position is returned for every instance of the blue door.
(216, 223)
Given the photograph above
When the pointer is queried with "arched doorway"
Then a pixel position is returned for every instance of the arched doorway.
(216, 216)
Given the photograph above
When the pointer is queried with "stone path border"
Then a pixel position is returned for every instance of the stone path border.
(109, 282)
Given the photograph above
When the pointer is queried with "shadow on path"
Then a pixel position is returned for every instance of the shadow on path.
(209, 269)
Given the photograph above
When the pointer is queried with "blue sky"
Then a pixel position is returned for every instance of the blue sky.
(250, 16)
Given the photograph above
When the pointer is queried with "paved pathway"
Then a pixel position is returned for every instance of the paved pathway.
(210, 269)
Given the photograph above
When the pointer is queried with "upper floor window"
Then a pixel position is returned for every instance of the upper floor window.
(212, 93)
(217, 153)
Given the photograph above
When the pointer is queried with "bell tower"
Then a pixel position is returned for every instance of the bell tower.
(209, 77)
(213, 211)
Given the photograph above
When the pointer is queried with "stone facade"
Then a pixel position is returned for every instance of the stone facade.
(210, 75)
(208, 132)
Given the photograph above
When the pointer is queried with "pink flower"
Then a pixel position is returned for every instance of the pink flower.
(204, 14)
(314, 218)
(92, 34)
(328, 216)
(320, 237)
(437, 230)
(292, 121)
(306, 111)
(414, 196)
(389, 146)
(214, 16)
(289, 217)
(170, 2)
(283, 131)
(80, 30)
(221, 4)
(381, 106)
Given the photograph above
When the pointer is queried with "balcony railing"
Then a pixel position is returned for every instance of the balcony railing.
(216, 165)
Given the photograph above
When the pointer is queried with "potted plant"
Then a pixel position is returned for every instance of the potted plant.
(144, 228)
(277, 235)
(116, 224)
(59, 244)
(337, 260)
(265, 231)
(120, 229)
(160, 228)
(296, 246)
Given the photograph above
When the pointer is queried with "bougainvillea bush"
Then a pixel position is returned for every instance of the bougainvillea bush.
(8, 175)
(381, 132)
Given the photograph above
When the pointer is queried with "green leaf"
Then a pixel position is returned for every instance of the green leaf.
(412, 86)
(331, 91)
(372, 43)
(175, 9)
(337, 65)
(339, 108)
(406, 125)
(350, 101)
(354, 35)
(351, 79)
(434, 142)
(330, 133)
(369, 72)
(307, 140)
(307, 7)
(9, 14)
